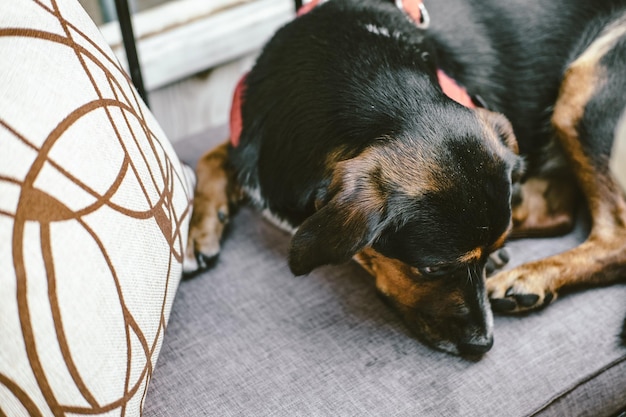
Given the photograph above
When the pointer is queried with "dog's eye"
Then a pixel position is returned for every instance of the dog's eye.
(437, 270)
(429, 270)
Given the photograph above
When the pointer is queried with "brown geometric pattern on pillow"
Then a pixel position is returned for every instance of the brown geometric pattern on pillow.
(94, 209)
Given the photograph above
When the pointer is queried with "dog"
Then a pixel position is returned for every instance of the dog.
(348, 140)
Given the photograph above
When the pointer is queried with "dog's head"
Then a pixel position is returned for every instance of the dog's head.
(421, 211)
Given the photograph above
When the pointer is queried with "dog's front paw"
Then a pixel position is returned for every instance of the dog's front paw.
(217, 195)
(205, 234)
(521, 289)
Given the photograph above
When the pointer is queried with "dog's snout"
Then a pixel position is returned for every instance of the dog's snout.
(477, 337)
(476, 332)
(476, 346)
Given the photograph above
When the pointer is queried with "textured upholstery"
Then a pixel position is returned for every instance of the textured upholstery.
(94, 210)
(248, 339)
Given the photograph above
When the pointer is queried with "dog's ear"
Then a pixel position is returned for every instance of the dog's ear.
(502, 127)
(339, 229)
(504, 134)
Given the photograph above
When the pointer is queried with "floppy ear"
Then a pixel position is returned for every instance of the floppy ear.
(343, 226)
(332, 235)
(504, 131)
(502, 127)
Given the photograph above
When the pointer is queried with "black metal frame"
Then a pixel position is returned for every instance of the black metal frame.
(130, 44)
(126, 26)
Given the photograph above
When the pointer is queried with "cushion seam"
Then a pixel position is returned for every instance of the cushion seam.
(580, 383)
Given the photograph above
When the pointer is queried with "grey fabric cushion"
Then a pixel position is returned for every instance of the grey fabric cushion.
(248, 339)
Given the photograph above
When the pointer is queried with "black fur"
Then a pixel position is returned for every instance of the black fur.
(342, 110)
(523, 47)
(325, 84)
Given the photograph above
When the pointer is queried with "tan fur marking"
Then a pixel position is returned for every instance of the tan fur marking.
(547, 207)
(606, 203)
(392, 277)
(601, 259)
(472, 255)
(407, 167)
(580, 83)
(428, 306)
(351, 182)
(496, 125)
(335, 156)
(404, 284)
(216, 191)
(578, 266)
(502, 239)
(392, 163)
(582, 79)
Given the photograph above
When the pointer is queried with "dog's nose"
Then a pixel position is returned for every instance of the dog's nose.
(476, 346)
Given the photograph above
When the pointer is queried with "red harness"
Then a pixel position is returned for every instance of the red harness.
(413, 8)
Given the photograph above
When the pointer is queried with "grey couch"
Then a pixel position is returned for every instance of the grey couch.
(248, 339)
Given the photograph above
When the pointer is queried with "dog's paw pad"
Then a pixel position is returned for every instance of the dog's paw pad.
(521, 289)
(503, 305)
(515, 301)
(497, 260)
(526, 300)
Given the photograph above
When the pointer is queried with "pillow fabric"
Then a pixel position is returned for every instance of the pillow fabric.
(94, 211)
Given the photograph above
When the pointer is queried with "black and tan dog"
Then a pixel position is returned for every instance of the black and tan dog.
(348, 140)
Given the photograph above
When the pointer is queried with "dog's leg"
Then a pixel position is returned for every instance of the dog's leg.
(216, 196)
(544, 205)
(586, 96)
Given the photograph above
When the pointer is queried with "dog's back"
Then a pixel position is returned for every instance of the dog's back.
(347, 136)
(327, 83)
(514, 53)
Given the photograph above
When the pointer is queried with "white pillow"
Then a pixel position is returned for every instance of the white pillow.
(94, 210)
